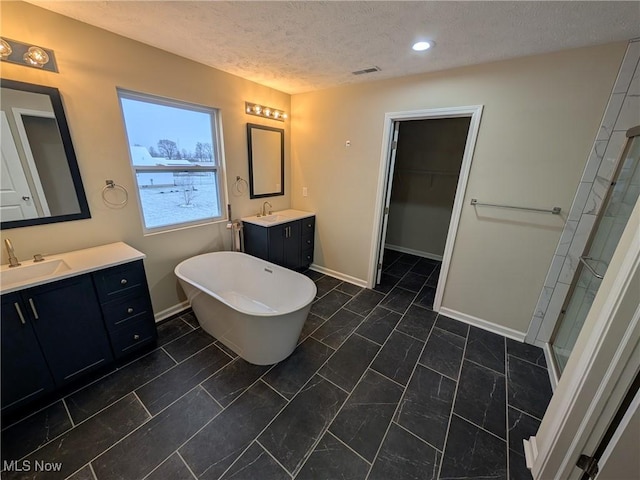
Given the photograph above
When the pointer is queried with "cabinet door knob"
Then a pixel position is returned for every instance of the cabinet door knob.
(308, 242)
(136, 337)
(123, 281)
(129, 310)
(309, 225)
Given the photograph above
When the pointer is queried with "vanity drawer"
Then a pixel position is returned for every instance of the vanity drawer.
(132, 336)
(307, 256)
(120, 280)
(308, 226)
(127, 309)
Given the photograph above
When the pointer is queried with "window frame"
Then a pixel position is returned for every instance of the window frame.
(217, 166)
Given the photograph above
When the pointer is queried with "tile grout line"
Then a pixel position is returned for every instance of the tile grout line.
(66, 407)
(186, 464)
(170, 356)
(522, 411)
(276, 391)
(257, 442)
(93, 472)
(143, 405)
(209, 393)
(332, 383)
(329, 432)
(417, 436)
(453, 404)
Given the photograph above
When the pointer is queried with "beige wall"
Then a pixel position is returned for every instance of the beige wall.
(541, 115)
(92, 63)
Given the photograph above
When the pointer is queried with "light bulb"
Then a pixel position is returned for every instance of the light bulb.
(5, 49)
(421, 46)
(36, 57)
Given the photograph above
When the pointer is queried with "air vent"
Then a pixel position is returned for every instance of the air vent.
(367, 70)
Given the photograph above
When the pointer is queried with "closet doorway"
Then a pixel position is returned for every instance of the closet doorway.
(424, 172)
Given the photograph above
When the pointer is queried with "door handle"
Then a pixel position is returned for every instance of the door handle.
(33, 309)
(583, 260)
(22, 321)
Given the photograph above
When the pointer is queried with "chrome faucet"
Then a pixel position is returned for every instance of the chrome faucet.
(13, 260)
(264, 209)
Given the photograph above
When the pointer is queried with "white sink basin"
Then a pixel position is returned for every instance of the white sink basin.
(276, 218)
(32, 271)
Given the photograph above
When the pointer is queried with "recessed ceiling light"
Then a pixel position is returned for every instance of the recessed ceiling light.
(422, 46)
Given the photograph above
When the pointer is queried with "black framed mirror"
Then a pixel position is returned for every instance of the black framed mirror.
(266, 160)
(41, 179)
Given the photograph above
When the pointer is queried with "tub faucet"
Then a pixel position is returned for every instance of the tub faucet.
(13, 260)
(264, 210)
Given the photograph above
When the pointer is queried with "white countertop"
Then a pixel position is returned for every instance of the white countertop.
(75, 263)
(277, 218)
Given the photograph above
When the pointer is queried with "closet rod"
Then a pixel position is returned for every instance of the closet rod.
(554, 210)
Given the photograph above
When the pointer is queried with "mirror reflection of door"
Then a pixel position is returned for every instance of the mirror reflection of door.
(16, 198)
(614, 215)
(47, 161)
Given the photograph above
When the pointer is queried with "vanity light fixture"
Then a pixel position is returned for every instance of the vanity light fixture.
(264, 112)
(422, 46)
(27, 54)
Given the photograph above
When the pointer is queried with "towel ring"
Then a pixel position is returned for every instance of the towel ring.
(111, 185)
(241, 185)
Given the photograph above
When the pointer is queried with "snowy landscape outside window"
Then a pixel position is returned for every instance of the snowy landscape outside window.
(176, 158)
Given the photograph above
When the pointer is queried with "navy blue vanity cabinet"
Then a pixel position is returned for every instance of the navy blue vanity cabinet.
(68, 322)
(25, 374)
(288, 244)
(52, 334)
(126, 307)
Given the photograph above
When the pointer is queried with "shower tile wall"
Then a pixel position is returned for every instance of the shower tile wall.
(622, 113)
(380, 387)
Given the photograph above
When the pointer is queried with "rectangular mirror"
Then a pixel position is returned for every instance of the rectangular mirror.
(266, 161)
(40, 179)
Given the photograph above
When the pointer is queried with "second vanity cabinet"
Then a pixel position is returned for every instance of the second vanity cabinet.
(54, 333)
(289, 244)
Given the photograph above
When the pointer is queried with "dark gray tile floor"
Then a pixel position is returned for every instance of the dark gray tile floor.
(380, 387)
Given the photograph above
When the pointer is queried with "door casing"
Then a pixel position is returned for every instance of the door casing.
(475, 114)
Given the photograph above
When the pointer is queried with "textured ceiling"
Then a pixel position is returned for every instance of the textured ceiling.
(301, 46)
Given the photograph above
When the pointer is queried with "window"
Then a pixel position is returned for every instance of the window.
(176, 158)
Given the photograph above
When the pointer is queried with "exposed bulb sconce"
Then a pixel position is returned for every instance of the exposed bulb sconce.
(36, 57)
(5, 49)
(264, 112)
(28, 55)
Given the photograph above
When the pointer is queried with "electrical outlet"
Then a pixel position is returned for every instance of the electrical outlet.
(305, 192)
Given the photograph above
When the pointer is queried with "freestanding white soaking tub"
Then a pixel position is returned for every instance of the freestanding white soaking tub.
(254, 307)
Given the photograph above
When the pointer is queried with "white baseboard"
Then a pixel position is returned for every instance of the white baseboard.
(341, 276)
(530, 451)
(484, 324)
(554, 376)
(169, 312)
(417, 253)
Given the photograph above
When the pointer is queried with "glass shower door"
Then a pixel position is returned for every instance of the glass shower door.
(612, 220)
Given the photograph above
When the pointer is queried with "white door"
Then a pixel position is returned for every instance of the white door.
(16, 199)
(387, 200)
